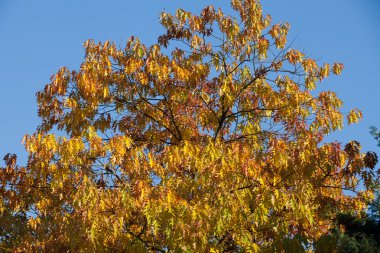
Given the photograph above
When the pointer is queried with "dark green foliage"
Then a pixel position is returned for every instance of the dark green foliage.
(360, 235)
(376, 134)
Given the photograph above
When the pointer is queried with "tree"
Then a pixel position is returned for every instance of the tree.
(354, 233)
(209, 141)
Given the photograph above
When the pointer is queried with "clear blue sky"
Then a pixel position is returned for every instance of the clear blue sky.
(37, 37)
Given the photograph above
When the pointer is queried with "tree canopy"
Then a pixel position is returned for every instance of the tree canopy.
(211, 140)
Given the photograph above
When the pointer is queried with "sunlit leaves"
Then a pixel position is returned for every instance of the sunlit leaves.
(309, 65)
(337, 68)
(262, 47)
(294, 56)
(279, 33)
(211, 140)
(354, 115)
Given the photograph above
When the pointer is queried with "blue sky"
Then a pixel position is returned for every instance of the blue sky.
(38, 37)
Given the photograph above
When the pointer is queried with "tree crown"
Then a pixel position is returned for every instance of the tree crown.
(210, 140)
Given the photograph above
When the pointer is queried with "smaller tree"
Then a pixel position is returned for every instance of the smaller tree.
(353, 233)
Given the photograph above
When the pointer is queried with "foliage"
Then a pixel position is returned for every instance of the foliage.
(354, 233)
(209, 141)
(339, 242)
(376, 134)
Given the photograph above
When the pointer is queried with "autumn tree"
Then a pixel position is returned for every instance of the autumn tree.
(209, 141)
